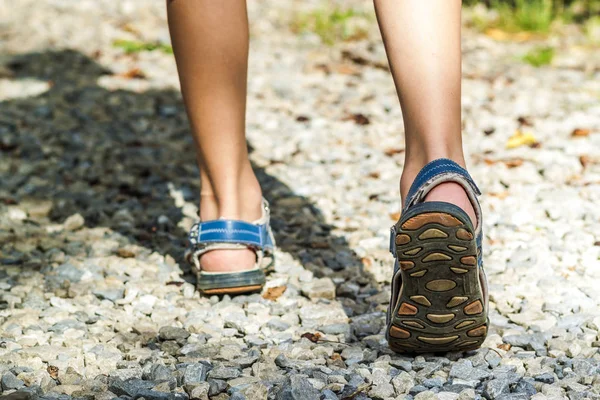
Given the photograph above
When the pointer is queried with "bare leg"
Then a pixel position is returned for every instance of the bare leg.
(422, 40)
(210, 42)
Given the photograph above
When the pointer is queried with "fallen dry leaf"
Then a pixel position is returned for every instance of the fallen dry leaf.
(520, 139)
(346, 69)
(504, 346)
(579, 132)
(358, 118)
(584, 160)
(132, 73)
(52, 371)
(516, 162)
(499, 195)
(273, 293)
(125, 253)
(313, 337)
(524, 121)
(360, 60)
(393, 151)
(510, 163)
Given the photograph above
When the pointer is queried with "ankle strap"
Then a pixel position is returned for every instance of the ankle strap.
(434, 173)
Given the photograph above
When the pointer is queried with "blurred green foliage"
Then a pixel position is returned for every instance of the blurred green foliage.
(539, 56)
(333, 24)
(535, 15)
(131, 46)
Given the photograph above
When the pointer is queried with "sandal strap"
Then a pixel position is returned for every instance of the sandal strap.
(435, 172)
(232, 231)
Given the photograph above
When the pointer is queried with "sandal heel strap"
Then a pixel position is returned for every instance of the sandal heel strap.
(231, 231)
(440, 170)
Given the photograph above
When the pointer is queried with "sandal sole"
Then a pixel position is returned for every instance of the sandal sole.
(233, 290)
(440, 305)
(231, 282)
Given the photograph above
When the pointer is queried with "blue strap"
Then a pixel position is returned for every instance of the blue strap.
(232, 231)
(435, 168)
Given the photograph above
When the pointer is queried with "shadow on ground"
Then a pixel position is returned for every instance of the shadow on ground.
(111, 155)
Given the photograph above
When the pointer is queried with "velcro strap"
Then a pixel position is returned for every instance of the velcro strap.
(393, 240)
(436, 169)
(231, 231)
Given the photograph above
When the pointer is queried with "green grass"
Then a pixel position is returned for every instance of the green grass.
(534, 16)
(333, 24)
(526, 15)
(539, 56)
(130, 46)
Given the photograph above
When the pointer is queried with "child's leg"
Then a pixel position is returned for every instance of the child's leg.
(210, 42)
(422, 39)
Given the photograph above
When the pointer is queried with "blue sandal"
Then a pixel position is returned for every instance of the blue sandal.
(232, 234)
(439, 296)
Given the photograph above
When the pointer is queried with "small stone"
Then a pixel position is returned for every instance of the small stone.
(404, 365)
(298, 389)
(546, 377)
(433, 382)
(493, 359)
(586, 367)
(353, 355)
(496, 387)
(216, 386)
(173, 333)
(129, 387)
(110, 294)
(328, 394)
(278, 324)
(574, 349)
(367, 324)
(316, 315)
(195, 373)
(415, 390)
(319, 289)
(382, 391)
(170, 347)
(69, 272)
(73, 222)
(10, 382)
(467, 394)
(403, 382)
(160, 373)
(524, 387)
(198, 391)
(447, 396)
(255, 391)
(224, 373)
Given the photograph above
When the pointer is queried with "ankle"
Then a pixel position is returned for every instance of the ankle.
(416, 157)
(242, 201)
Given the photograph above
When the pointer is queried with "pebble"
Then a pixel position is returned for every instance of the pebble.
(74, 222)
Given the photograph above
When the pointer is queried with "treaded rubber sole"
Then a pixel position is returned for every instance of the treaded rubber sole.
(440, 305)
(231, 282)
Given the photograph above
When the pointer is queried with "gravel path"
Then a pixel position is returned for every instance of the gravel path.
(99, 186)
